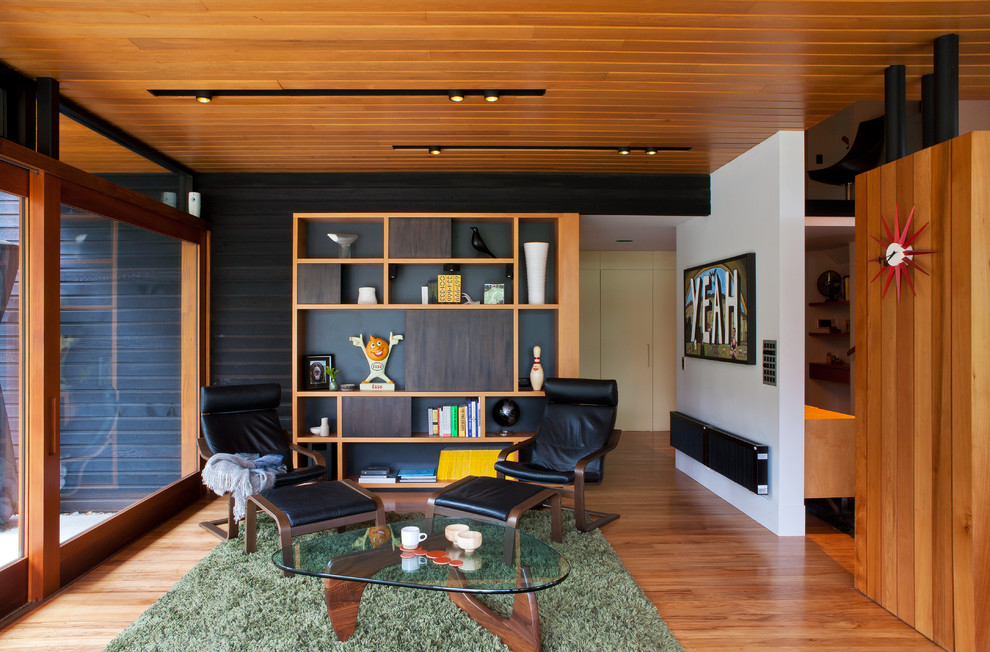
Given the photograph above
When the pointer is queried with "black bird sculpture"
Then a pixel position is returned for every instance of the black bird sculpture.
(478, 243)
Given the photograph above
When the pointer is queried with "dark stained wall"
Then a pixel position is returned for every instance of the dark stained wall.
(251, 214)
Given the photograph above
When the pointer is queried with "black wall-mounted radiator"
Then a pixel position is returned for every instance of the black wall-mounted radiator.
(745, 462)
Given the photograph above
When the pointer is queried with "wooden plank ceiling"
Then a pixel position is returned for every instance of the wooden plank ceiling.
(718, 76)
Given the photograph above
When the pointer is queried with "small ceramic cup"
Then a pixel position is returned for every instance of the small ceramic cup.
(469, 540)
(451, 531)
(411, 536)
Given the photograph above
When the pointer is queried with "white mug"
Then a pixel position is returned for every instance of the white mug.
(412, 564)
(411, 536)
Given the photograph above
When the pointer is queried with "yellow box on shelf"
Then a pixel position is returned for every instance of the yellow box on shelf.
(449, 288)
(454, 464)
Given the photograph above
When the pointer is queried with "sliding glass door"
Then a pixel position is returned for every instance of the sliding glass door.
(102, 324)
(119, 367)
(11, 446)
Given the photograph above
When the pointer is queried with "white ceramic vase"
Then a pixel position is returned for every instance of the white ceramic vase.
(367, 295)
(536, 270)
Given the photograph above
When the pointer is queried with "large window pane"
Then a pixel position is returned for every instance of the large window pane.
(11, 472)
(119, 370)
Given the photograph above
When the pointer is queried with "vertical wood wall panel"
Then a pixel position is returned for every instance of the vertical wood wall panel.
(860, 576)
(981, 389)
(922, 406)
(923, 396)
(941, 266)
(888, 406)
(903, 346)
(962, 481)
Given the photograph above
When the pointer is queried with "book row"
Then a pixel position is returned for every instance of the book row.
(456, 420)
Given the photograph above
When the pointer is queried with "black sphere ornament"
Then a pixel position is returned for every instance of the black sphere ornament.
(505, 413)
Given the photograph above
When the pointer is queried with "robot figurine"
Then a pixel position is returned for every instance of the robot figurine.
(377, 351)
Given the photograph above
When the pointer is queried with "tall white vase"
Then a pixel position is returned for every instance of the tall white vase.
(536, 270)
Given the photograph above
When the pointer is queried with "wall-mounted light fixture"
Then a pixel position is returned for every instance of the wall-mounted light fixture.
(435, 149)
(491, 95)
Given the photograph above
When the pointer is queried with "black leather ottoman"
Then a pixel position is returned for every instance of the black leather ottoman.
(304, 508)
(495, 499)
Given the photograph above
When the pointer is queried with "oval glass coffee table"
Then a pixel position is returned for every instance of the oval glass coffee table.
(508, 561)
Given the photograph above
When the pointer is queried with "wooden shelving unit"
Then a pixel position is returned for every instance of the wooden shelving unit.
(450, 354)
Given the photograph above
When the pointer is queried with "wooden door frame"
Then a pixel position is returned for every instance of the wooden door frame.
(47, 185)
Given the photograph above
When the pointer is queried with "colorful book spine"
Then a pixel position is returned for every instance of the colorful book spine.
(462, 421)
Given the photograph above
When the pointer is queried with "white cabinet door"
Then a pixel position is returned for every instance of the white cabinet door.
(591, 323)
(665, 321)
(627, 343)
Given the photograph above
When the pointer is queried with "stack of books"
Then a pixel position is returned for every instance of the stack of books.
(375, 475)
(417, 475)
(456, 420)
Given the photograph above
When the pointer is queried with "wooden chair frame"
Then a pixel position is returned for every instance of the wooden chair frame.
(231, 532)
(285, 530)
(573, 491)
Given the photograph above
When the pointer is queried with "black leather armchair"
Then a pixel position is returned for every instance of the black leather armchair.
(243, 419)
(569, 447)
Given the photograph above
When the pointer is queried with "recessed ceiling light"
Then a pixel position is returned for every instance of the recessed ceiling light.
(434, 150)
(623, 150)
(204, 97)
(651, 150)
(491, 96)
(455, 96)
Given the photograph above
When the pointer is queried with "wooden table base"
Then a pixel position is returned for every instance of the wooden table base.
(520, 631)
(343, 602)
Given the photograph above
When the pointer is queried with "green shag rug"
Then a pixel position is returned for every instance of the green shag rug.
(235, 602)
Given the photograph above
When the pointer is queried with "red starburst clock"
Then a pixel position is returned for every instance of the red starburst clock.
(899, 254)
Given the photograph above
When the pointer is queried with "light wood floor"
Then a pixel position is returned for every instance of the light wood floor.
(718, 579)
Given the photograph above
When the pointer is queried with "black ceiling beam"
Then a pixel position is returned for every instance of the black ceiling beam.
(17, 107)
(48, 110)
(92, 121)
(340, 92)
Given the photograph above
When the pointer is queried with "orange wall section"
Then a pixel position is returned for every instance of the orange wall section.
(923, 395)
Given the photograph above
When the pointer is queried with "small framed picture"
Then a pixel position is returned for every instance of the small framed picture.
(314, 370)
(494, 293)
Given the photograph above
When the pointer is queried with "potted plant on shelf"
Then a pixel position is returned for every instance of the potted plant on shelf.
(332, 374)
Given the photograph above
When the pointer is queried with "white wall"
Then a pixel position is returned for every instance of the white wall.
(757, 206)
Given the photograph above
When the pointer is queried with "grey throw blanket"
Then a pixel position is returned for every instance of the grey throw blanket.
(240, 476)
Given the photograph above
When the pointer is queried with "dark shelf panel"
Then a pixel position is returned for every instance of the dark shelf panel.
(830, 372)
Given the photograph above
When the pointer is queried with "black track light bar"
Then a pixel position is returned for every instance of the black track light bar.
(344, 92)
(588, 148)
